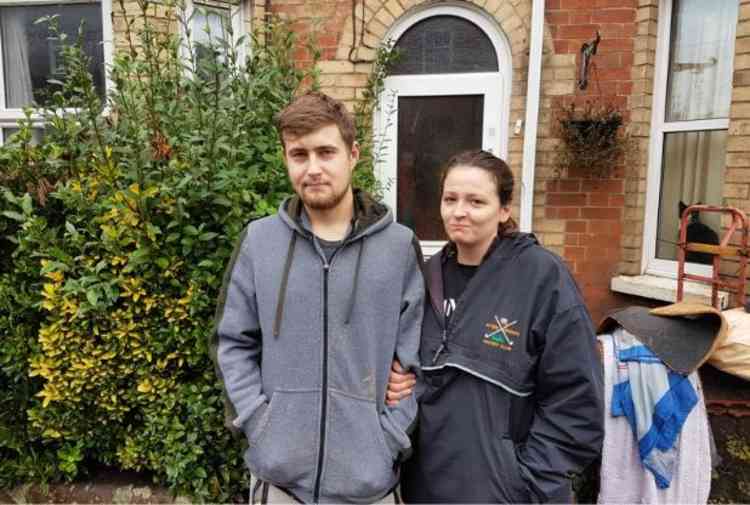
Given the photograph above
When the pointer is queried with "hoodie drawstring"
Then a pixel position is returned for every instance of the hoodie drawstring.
(282, 288)
(350, 309)
(285, 279)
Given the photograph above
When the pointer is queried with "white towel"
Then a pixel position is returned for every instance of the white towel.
(623, 477)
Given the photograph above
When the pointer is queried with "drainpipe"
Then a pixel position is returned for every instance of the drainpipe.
(532, 115)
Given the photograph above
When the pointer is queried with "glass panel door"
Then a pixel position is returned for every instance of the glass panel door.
(426, 119)
(431, 130)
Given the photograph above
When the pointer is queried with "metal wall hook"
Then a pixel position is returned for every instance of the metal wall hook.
(588, 49)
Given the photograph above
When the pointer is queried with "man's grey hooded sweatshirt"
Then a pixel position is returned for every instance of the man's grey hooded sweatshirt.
(304, 348)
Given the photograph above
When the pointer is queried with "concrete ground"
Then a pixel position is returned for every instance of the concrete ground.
(106, 486)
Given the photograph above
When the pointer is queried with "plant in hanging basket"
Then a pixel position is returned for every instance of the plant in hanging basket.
(593, 141)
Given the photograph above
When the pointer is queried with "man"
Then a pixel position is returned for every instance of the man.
(317, 302)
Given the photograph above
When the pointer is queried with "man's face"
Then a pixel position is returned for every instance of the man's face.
(320, 166)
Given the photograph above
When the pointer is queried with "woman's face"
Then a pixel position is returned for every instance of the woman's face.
(470, 207)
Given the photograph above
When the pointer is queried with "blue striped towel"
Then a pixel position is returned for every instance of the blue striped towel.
(655, 400)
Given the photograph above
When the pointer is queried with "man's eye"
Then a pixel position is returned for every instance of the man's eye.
(477, 202)
(449, 199)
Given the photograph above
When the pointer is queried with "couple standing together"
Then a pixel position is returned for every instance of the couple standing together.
(355, 371)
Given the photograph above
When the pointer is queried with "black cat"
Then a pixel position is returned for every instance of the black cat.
(699, 232)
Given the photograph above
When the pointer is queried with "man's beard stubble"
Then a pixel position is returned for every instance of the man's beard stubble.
(326, 201)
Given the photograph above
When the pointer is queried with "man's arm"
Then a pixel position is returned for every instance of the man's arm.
(567, 430)
(398, 420)
(237, 341)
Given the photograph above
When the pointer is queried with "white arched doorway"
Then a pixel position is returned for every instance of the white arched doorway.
(449, 91)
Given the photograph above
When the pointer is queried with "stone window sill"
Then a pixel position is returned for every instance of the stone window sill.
(665, 289)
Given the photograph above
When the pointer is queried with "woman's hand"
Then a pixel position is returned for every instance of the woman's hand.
(400, 384)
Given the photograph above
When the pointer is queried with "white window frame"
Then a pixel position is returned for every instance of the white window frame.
(650, 264)
(9, 117)
(494, 86)
(239, 14)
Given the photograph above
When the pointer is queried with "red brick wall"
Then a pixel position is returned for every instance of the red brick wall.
(593, 209)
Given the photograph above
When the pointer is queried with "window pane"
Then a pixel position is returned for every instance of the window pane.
(701, 55)
(36, 134)
(431, 130)
(693, 172)
(31, 56)
(210, 29)
(445, 44)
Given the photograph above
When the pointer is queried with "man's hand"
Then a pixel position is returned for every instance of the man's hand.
(400, 384)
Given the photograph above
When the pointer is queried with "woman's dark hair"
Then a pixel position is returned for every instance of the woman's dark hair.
(497, 168)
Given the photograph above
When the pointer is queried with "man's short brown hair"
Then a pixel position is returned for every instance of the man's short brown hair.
(312, 111)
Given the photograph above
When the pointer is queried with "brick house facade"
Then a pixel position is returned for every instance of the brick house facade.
(596, 225)
(602, 227)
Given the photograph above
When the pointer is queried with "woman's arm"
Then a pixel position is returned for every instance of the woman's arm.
(400, 384)
(567, 430)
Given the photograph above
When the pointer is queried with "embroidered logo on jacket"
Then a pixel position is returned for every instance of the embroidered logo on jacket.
(500, 333)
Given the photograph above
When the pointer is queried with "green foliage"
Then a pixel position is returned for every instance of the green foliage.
(373, 147)
(115, 231)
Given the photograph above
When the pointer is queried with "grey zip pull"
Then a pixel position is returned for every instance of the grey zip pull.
(441, 348)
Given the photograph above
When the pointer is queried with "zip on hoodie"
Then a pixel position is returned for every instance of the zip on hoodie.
(324, 400)
(324, 381)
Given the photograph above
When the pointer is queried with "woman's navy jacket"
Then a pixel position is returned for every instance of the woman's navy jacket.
(511, 397)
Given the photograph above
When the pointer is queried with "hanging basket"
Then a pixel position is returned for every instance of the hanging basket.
(592, 140)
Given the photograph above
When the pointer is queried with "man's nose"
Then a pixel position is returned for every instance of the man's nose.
(314, 165)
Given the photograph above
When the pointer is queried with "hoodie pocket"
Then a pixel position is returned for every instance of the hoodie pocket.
(359, 464)
(284, 445)
(508, 484)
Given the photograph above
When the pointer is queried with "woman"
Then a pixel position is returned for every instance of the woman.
(511, 393)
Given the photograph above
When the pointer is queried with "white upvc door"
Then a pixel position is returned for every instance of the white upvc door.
(487, 85)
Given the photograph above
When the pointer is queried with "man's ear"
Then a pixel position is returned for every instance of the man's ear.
(505, 212)
(354, 154)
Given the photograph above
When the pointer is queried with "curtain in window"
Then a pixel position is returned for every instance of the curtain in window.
(18, 89)
(701, 56)
(209, 27)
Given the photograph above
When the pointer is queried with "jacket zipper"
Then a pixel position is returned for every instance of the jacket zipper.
(324, 400)
(449, 324)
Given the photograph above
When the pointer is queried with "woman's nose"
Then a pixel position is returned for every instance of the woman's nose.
(459, 210)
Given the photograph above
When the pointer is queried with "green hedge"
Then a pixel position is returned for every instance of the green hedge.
(115, 231)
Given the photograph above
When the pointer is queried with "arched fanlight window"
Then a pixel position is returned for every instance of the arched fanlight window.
(444, 45)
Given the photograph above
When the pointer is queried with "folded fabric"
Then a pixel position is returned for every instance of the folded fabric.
(624, 479)
(656, 402)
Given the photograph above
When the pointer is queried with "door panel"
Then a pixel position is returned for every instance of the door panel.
(431, 130)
